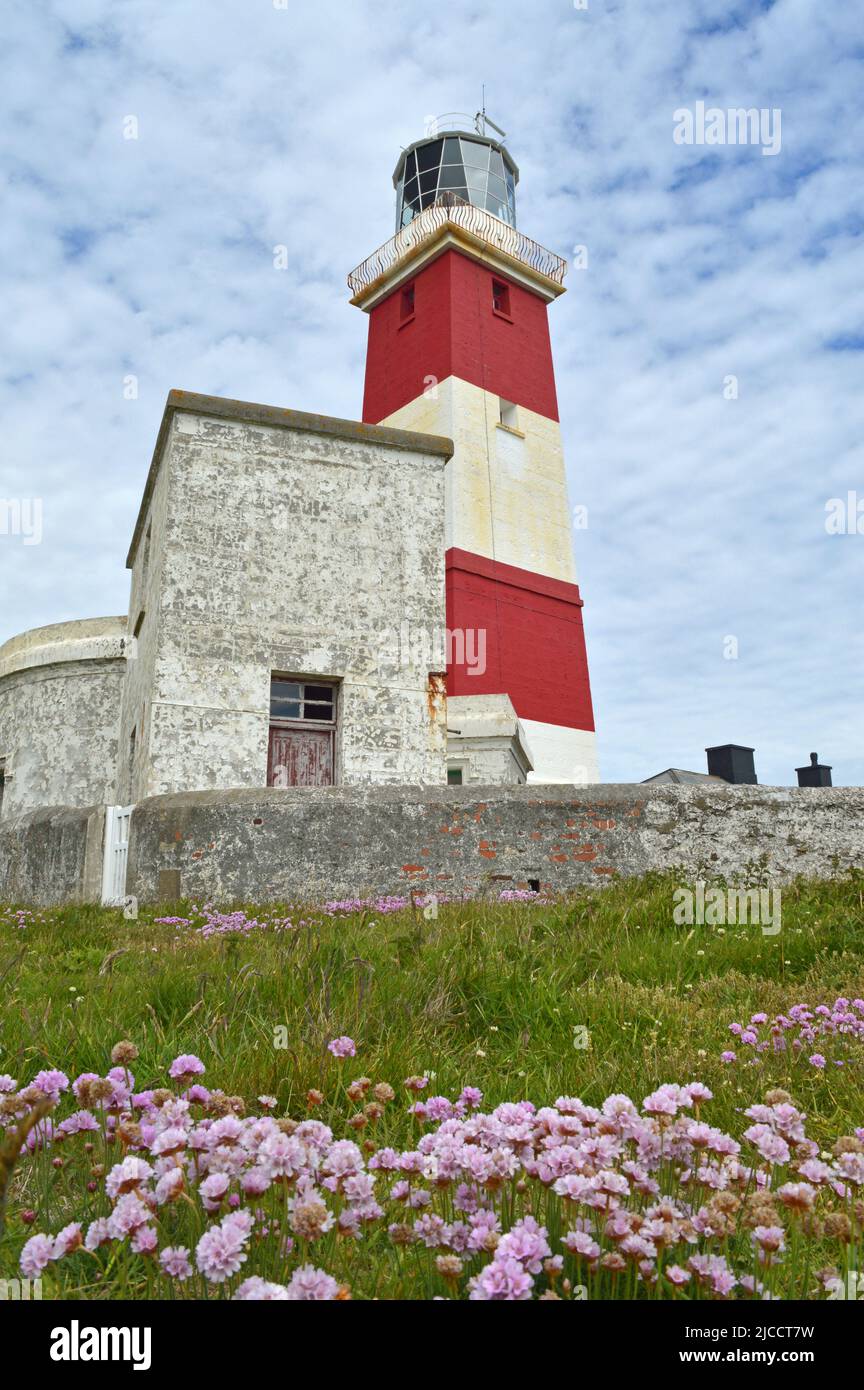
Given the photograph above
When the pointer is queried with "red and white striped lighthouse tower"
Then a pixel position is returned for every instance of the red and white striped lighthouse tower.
(459, 346)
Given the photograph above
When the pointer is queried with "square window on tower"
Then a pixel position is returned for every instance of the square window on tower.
(508, 414)
(501, 298)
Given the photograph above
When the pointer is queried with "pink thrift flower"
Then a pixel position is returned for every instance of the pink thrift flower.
(144, 1240)
(69, 1239)
(342, 1047)
(310, 1285)
(257, 1290)
(38, 1252)
(175, 1261)
(220, 1253)
(184, 1066)
(503, 1281)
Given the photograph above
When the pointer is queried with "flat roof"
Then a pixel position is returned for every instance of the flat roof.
(222, 407)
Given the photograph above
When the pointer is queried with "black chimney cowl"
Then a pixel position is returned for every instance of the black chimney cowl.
(816, 775)
(733, 762)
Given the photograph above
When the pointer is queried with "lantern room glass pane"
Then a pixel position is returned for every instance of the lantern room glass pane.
(477, 183)
(452, 152)
(410, 166)
(452, 177)
(475, 154)
(429, 156)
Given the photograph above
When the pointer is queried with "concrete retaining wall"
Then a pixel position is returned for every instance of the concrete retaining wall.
(336, 841)
(311, 844)
(52, 856)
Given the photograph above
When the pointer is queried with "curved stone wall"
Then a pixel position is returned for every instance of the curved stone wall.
(60, 693)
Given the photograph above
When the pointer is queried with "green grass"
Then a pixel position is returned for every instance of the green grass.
(486, 994)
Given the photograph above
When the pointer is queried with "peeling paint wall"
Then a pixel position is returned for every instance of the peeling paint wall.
(276, 550)
(60, 695)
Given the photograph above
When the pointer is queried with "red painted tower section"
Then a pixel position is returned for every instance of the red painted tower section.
(459, 345)
(535, 643)
(444, 323)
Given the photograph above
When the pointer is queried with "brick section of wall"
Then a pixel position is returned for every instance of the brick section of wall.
(535, 641)
(455, 332)
(310, 845)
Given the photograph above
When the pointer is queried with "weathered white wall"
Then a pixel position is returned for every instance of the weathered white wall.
(60, 695)
(284, 549)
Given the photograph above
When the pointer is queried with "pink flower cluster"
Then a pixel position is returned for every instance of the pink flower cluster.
(650, 1198)
(207, 922)
(805, 1034)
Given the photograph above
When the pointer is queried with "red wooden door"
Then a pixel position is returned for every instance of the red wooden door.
(300, 757)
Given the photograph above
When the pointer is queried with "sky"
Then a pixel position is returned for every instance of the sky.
(708, 352)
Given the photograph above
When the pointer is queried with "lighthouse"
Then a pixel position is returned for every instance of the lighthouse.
(459, 346)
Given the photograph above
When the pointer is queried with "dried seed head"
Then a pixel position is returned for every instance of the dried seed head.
(310, 1219)
(838, 1227)
(612, 1260)
(358, 1121)
(847, 1144)
(287, 1125)
(314, 1098)
(122, 1053)
(162, 1097)
(400, 1234)
(778, 1097)
(383, 1092)
(449, 1266)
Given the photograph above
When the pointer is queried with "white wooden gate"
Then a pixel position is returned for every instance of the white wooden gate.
(117, 820)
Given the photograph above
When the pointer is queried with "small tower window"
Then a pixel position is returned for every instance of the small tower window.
(508, 414)
(501, 298)
(407, 306)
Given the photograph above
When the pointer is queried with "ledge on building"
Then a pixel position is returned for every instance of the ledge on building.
(275, 417)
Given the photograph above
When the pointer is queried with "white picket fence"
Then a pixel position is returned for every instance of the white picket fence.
(116, 855)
